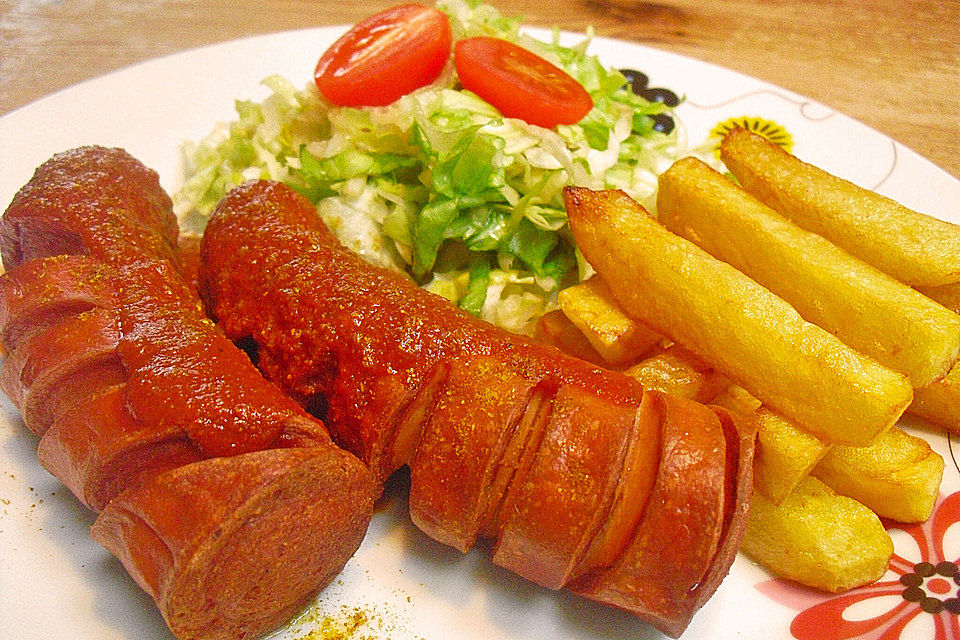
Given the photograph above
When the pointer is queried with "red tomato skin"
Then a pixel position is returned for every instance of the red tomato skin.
(519, 83)
(385, 57)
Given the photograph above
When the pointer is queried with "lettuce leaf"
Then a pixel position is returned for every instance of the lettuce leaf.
(439, 185)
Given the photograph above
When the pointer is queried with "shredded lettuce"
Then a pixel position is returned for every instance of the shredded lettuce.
(438, 185)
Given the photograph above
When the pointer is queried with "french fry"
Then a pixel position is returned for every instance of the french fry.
(939, 404)
(617, 337)
(867, 309)
(736, 399)
(947, 294)
(785, 453)
(916, 249)
(818, 538)
(897, 476)
(555, 329)
(749, 334)
(784, 457)
(677, 372)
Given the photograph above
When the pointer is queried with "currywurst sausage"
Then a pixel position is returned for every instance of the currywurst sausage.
(577, 476)
(223, 498)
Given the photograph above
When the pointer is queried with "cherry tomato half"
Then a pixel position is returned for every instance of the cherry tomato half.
(519, 83)
(386, 56)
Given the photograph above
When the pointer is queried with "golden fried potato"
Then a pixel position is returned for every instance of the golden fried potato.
(818, 538)
(555, 329)
(785, 453)
(677, 372)
(897, 476)
(939, 404)
(746, 332)
(916, 249)
(736, 399)
(618, 338)
(867, 309)
(947, 294)
(784, 456)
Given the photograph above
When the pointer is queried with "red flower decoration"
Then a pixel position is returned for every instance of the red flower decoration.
(929, 587)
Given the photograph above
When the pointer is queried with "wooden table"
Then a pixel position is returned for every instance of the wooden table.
(894, 65)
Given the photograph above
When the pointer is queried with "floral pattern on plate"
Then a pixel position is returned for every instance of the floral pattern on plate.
(922, 582)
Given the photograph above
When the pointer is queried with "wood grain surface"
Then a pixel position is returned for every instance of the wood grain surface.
(893, 64)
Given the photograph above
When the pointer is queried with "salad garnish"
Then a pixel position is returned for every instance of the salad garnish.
(384, 57)
(519, 83)
(440, 184)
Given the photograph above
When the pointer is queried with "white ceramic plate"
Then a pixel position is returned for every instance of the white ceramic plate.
(56, 584)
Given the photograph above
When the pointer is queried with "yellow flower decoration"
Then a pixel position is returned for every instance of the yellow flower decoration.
(766, 128)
